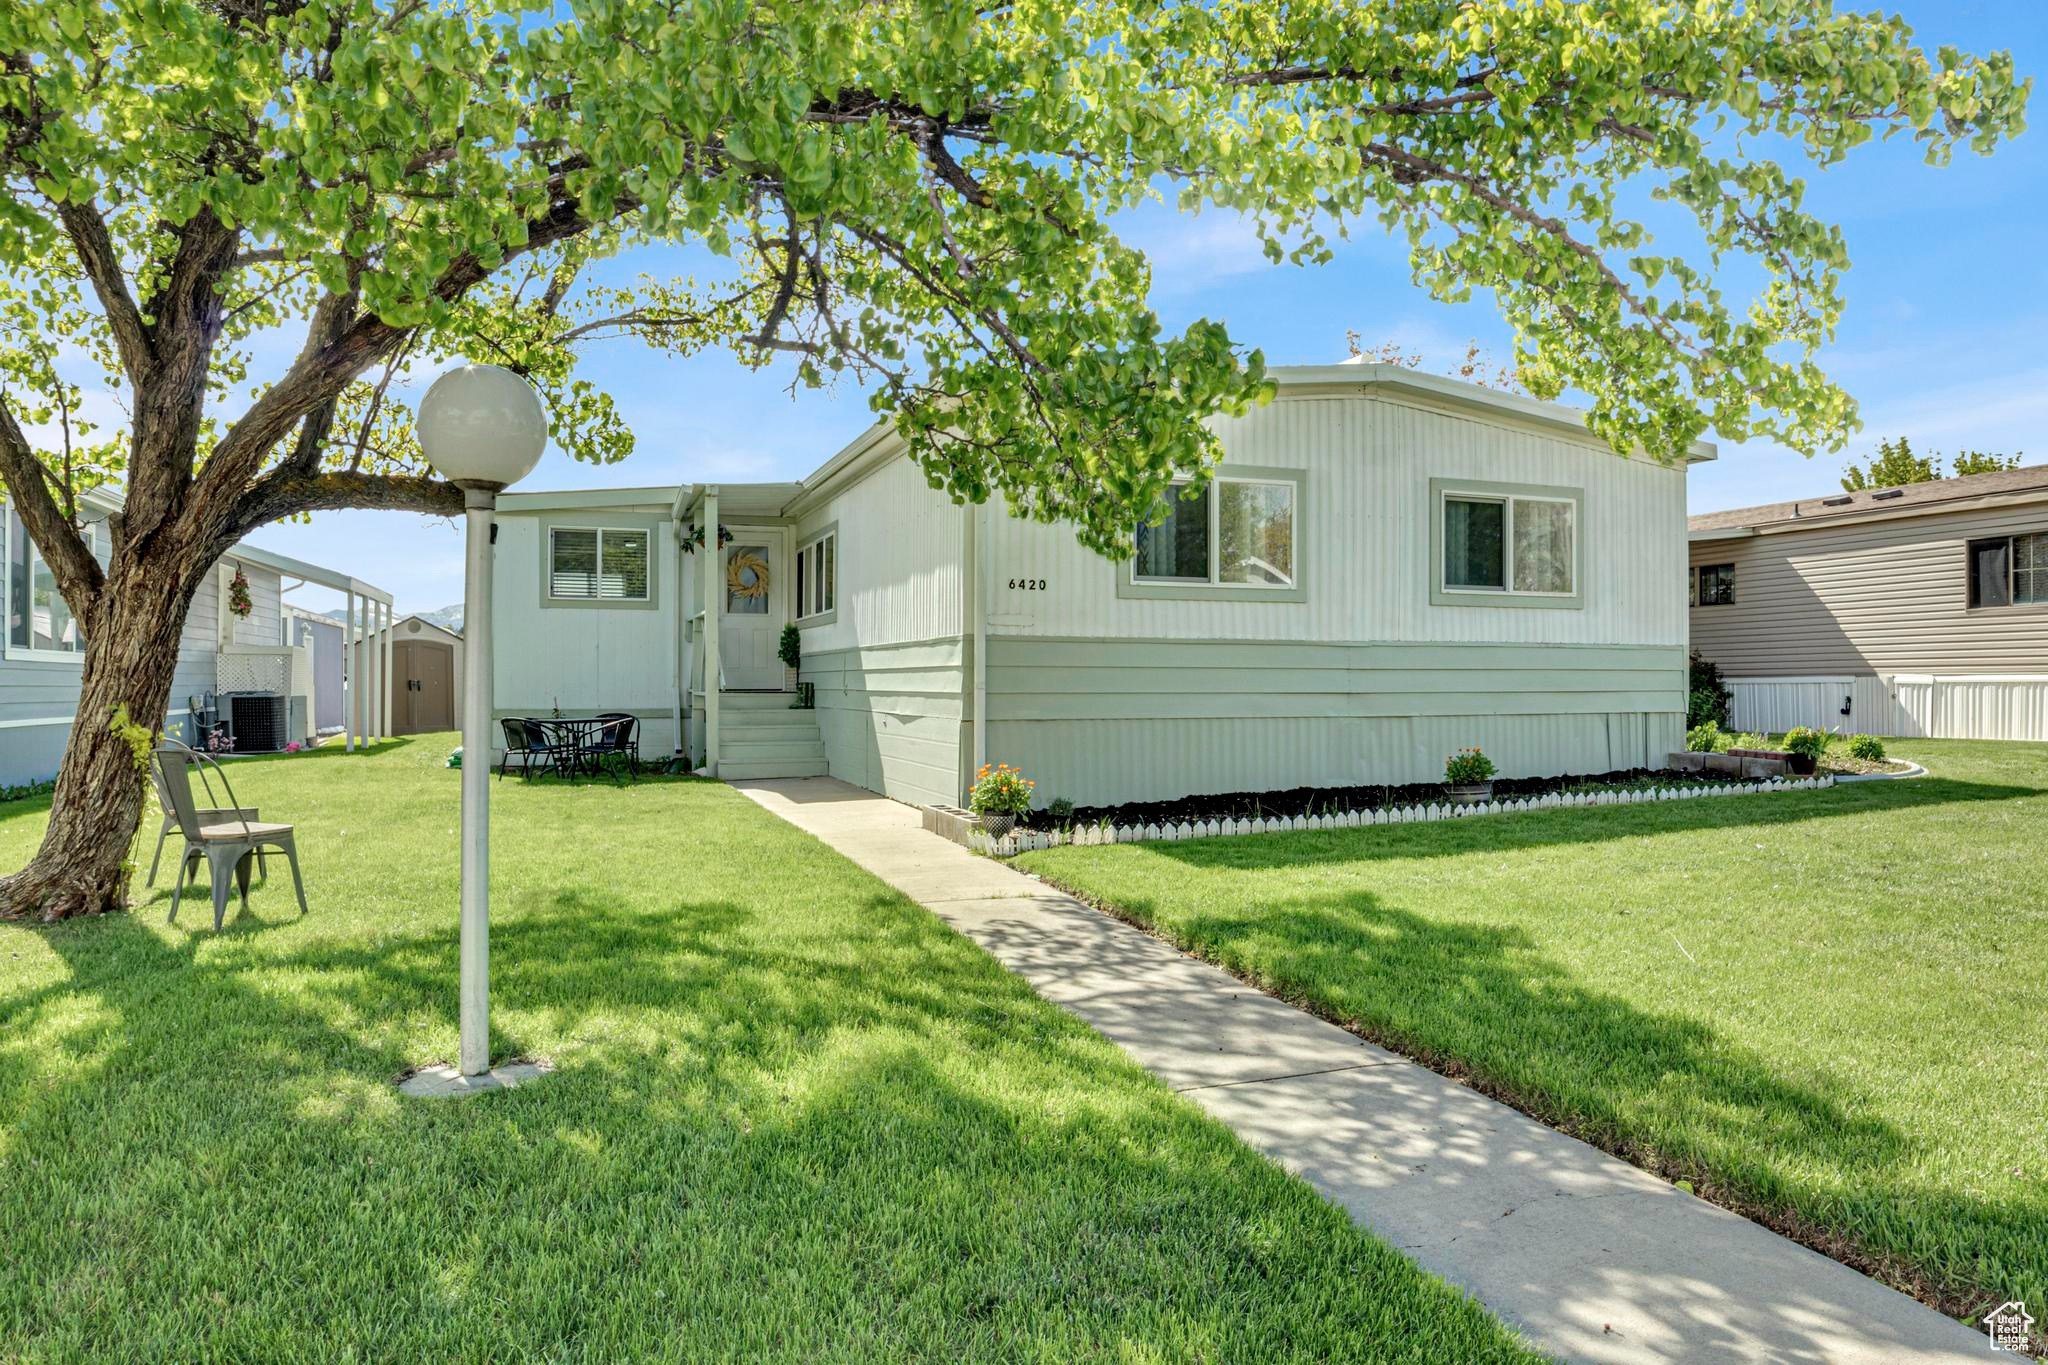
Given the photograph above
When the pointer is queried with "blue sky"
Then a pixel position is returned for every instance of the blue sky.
(1945, 339)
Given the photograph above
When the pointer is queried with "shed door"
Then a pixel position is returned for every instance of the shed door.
(425, 683)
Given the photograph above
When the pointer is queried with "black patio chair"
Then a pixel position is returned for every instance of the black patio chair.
(619, 733)
(530, 741)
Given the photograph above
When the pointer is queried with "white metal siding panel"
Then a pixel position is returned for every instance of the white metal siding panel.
(582, 659)
(1105, 762)
(898, 561)
(1366, 551)
(262, 625)
(1869, 597)
(891, 717)
(1901, 705)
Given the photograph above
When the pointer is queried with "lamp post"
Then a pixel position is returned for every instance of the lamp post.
(482, 428)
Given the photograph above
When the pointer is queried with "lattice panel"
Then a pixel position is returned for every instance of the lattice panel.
(254, 673)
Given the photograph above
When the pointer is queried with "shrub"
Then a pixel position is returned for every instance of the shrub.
(1001, 790)
(1707, 696)
(1750, 739)
(1468, 765)
(790, 648)
(1061, 811)
(1705, 738)
(1805, 741)
(1869, 748)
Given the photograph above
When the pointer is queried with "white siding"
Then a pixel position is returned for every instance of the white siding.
(1903, 704)
(898, 558)
(1367, 538)
(584, 659)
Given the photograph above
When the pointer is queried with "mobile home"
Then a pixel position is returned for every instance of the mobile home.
(1388, 567)
(227, 663)
(1920, 610)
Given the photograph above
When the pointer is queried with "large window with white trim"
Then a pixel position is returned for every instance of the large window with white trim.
(1508, 544)
(597, 564)
(817, 575)
(1233, 532)
(2009, 571)
(38, 619)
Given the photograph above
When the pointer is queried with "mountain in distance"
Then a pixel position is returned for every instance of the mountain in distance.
(447, 618)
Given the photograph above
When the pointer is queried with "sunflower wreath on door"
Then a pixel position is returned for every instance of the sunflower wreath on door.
(746, 576)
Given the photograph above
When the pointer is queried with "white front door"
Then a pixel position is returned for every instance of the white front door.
(752, 579)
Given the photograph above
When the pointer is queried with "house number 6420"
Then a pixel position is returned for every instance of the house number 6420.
(1027, 585)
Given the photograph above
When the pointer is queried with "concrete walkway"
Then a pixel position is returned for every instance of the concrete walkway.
(1590, 1257)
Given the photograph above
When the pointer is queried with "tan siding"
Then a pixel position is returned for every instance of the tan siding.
(1873, 597)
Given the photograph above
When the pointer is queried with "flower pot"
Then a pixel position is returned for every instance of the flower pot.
(1802, 764)
(996, 826)
(1469, 793)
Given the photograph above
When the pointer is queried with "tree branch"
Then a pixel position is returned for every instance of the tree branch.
(279, 495)
(102, 265)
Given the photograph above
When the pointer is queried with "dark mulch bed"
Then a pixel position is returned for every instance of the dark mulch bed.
(1335, 800)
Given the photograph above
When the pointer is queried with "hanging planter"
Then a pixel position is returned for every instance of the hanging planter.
(238, 596)
(694, 541)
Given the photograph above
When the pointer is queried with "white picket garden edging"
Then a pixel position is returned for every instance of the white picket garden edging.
(1026, 840)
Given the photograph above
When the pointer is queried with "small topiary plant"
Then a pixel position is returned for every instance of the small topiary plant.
(790, 648)
(1868, 748)
(1468, 766)
(1805, 741)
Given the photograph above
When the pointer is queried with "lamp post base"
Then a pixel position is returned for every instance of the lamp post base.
(448, 1083)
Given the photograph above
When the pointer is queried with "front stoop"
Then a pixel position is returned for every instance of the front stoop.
(760, 735)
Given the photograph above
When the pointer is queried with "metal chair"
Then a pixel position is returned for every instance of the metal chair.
(517, 741)
(619, 733)
(228, 845)
(208, 815)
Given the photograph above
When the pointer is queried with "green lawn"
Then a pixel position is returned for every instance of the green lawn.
(1828, 1008)
(794, 1116)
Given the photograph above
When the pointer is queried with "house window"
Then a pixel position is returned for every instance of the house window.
(1510, 544)
(817, 575)
(590, 564)
(38, 618)
(1716, 585)
(2009, 571)
(1233, 533)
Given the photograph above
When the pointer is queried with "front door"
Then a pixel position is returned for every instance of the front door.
(755, 592)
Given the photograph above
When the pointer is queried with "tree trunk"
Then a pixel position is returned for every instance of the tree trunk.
(131, 652)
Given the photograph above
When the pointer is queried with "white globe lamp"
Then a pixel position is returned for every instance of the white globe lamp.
(482, 428)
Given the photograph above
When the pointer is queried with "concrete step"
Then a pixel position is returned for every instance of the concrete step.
(772, 767)
(810, 750)
(755, 701)
(784, 718)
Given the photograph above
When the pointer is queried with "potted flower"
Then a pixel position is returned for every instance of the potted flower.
(1000, 795)
(1468, 777)
(1804, 745)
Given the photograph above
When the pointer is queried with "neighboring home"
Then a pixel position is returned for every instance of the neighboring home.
(1920, 610)
(1388, 567)
(244, 672)
(426, 675)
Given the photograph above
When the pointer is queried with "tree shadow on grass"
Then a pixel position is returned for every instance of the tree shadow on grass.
(766, 1137)
(1583, 825)
(1782, 1139)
